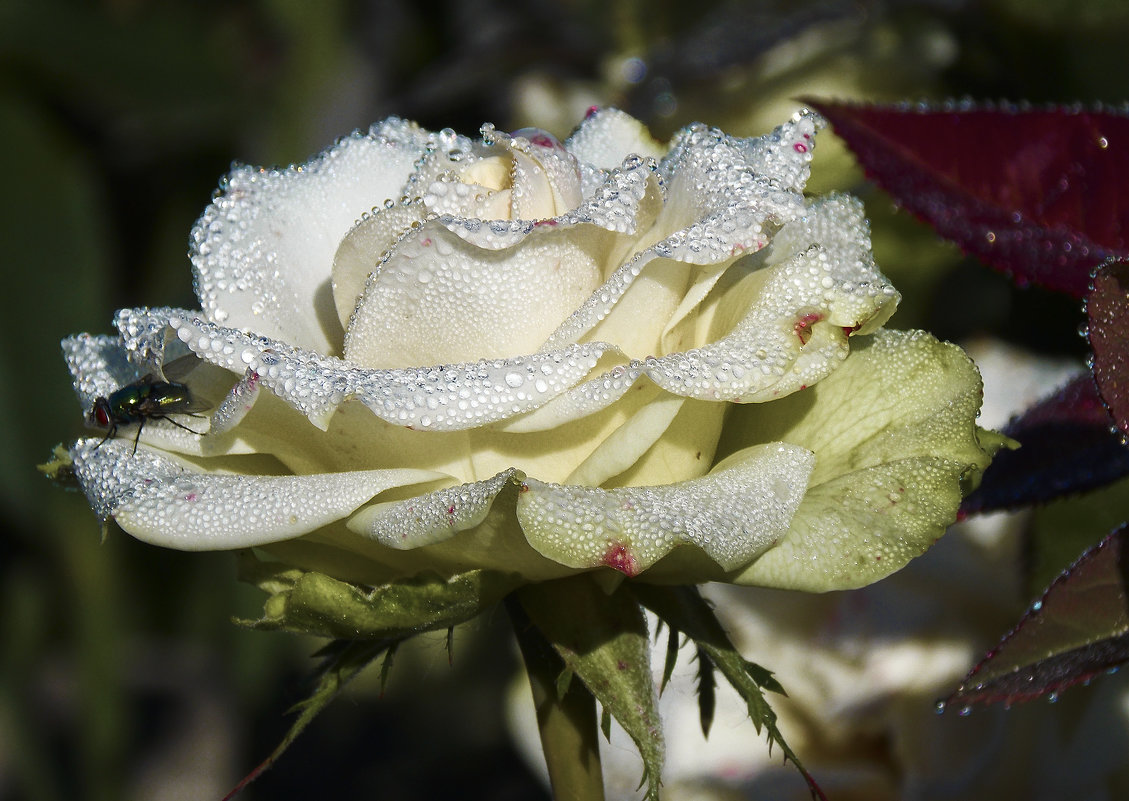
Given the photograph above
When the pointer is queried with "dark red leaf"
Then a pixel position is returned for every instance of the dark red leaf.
(1068, 445)
(1077, 630)
(1107, 309)
(1038, 194)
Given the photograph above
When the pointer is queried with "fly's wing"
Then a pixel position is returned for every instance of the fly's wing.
(178, 369)
(166, 397)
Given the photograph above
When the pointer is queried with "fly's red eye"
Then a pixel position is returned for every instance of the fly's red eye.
(101, 415)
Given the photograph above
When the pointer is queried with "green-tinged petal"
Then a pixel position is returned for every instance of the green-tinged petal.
(313, 603)
(895, 440)
(603, 641)
(732, 514)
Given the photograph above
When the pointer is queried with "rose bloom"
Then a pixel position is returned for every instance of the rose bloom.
(424, 353)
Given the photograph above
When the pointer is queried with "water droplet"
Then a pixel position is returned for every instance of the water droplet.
(514, 380)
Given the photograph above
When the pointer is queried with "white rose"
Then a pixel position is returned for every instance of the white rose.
(523, 359)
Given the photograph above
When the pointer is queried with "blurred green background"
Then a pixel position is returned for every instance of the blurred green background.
(121, 676)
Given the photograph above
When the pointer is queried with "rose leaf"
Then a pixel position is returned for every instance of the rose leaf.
(1107, 311)
(1035, 193)
(1067, 445)
(1078, 629)
(684, 609)
(307, 602)
(603, 641)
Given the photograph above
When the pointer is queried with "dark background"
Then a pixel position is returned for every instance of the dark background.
(121, 676)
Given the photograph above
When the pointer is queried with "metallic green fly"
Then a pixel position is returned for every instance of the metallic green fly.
(149, 398)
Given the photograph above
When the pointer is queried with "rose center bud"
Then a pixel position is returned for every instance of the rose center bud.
(536, 180)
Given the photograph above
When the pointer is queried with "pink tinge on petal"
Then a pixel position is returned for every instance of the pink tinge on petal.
(619, 558)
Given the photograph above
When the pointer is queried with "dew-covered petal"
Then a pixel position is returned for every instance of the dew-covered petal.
(431, 518)
(545, 177)
(782, 157)
(447, 531)
(895, 439)
(779, 321)
(733, 514)
(448, 397)
(724, 197)
(627, 201)
(362, 250)
(438, 299)
(164, 501)
(98, 365)
(607, 136)
(263, 250)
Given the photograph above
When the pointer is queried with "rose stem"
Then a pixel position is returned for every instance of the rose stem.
(569, 734)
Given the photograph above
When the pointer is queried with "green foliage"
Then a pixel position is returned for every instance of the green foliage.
(305, 602)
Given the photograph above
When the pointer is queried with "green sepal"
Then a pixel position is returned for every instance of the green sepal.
(602, 640)
(672, 646)
(342, 661)
(707, 692)
(685, 609)
(307, 602)
(386, 665)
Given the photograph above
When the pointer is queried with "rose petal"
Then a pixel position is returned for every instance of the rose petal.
(732, 514)
(167, 502)
(447, 397)
(607, 136)
(431, 518)
(437, 299)
(98, 365)
(545, 178)
(894, 434)
(264, 248)
(444, 532)
(362, 250)
(626, 202)
(626, 445)
(723, 198)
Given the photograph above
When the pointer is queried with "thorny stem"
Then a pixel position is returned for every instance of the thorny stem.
(569, 731)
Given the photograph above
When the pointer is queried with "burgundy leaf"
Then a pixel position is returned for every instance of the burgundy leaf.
(1038, 194)
(1068, 445)
(1107, 308)
(1077, 630)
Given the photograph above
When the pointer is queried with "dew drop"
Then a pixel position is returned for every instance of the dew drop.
(515, 380)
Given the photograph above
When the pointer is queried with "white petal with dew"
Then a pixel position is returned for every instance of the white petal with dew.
(723, 197)
(431, 518)
(607, 136)
(264, 248)
(362, 250)
(447, 397)
(167, 502)
(438, 300)
(733, 514)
